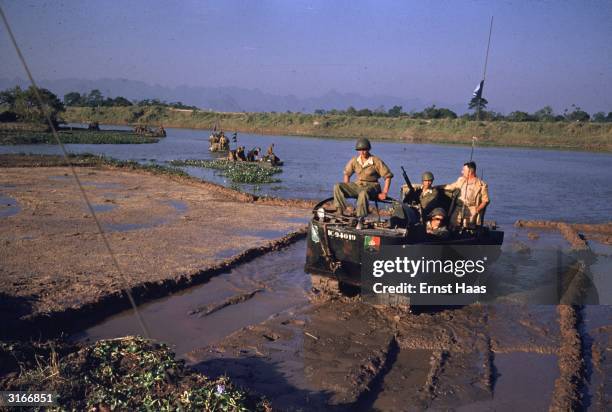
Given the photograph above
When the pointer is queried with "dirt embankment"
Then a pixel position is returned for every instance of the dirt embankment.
(166, 233)
(575, 233)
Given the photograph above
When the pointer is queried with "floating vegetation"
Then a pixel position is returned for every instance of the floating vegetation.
(237, 172)
(122, 374)
(81, 136)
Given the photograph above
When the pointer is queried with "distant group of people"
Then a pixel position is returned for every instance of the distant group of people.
(253, 155)
(218, 142)
(146, 131)
(467, 210)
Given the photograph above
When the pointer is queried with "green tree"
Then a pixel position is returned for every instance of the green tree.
(319, 112)
(518, 116)
(395, 111)
(72, 99)
(351, 111)
(26, 106)
(577, 115)
(477, 103)
(120, 101)
(95, 98)
(545, 114)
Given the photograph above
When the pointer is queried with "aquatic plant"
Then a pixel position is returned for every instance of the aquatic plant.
(128, 373)
(15, 137)
(237, 172)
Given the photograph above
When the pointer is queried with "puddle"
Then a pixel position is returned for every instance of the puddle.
(8, 206)
(525, 382)
(105, 207)
(60, 177)
(178, 205)
(279, 274)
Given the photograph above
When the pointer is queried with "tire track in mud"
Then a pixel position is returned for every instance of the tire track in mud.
(570, 386)
(376, 370)
(73, 319)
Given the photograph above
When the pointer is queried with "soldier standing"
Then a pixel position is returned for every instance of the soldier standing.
(473, 199)
(368, 169)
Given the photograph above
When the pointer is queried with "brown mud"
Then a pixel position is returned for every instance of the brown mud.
(166, 236)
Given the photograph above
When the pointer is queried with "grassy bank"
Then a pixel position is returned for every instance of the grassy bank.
(564, 135)
(16, 133)
(120, 374)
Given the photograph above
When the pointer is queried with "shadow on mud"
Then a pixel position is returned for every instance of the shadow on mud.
(265, 377)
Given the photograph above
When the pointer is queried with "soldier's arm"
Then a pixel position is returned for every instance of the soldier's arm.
(485, 198)
(454, 185)
(348, 171)
(383, 195)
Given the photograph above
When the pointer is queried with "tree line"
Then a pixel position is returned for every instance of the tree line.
(95, 98)
(545, 114)
(17, 104)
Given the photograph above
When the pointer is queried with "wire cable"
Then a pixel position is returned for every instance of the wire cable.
(141, 321)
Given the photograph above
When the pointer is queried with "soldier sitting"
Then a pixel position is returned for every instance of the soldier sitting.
(428, 195)
(252, 154)
(473, 199)
(369, 169)
(435, 223)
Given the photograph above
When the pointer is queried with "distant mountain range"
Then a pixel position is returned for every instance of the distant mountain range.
(230, 99)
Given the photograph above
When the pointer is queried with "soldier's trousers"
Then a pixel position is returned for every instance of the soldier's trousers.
(362, 192)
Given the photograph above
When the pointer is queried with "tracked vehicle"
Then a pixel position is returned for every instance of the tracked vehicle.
(335, 246)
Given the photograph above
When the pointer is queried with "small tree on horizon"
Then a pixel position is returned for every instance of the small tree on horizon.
(478, 104)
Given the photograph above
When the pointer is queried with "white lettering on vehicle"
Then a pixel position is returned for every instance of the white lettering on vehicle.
(341, 235)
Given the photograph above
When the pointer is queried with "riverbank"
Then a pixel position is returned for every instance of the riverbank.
(18, 134)
(585, 136)
(208, 229)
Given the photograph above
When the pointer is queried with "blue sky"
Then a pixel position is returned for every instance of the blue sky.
(548, 52)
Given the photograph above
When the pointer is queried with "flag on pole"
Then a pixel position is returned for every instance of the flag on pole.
(478, 90)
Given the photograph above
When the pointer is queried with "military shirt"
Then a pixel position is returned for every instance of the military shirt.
(368, 171)
(472, 194)
(427, 197)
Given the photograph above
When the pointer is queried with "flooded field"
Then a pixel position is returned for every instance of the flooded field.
(250, 312)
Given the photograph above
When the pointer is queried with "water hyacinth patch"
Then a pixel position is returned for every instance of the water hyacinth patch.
(128, 373)
(237, 172)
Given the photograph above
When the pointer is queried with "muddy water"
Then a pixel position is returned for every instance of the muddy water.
(277, 279)
(256, 325)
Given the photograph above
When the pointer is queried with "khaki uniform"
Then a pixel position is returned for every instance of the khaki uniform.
(428, 200)
(473, 194)
(365, 187)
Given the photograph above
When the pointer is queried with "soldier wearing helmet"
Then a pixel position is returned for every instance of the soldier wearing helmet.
(428, 197)
(435, 223)
(369, 169)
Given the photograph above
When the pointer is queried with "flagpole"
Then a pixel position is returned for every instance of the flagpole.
(484, 73)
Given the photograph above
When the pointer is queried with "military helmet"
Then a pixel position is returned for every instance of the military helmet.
(428, 176)
(363, 144)
(438, 211)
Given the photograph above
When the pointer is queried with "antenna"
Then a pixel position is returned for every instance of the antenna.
(484, 72)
